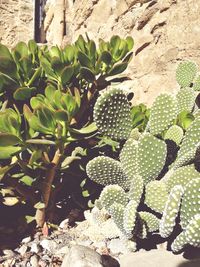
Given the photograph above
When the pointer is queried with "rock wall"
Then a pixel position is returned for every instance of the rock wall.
(165, 32)
(16, 21)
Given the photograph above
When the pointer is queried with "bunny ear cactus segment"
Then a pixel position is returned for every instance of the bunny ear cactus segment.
(189, 144)
(181, 176)
(162, 113)
(136, 188)
(111, 194)
(190, 203)
(186, 73)
(129, 218)
(156, 195)
(196, 86)
(104, 170)
(171, 210)
(151, 221)
(152, 154)
(128, 158)
(112, 114)
(116, 211)
(191, 236)
(174, 133)
(186, 99)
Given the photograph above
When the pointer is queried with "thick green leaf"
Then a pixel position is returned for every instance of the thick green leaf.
(36, 101)
(84, 60)
(128, 57)
(7, 139)
(40, 142)
(4, 52)
(49, 91)
(130, 42)
(67, 74)
(80, 43)
(69, 53)
(8, 151)
(26, 65)
(8, 66)
(118, 68)
(87, 74)
(57, 65)
(27, 180)
(23, 93)
(106, 57)
(61, 115)
(86, 130)
(21, 50)
(35, 77)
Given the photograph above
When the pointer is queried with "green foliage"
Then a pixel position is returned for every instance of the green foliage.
(46, 127)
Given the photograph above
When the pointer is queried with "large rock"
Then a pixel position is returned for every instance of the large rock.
(156, 258)
(165, 32)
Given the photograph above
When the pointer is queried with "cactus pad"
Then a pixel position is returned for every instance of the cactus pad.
(129, 218)
(151, 157)
(112, 114)
(191, 202)
(196, 86)
(162, 113)
(156, 195)
(171, 210)
(116, 211)
(150, 220)
(186, 99)
(128, 158)
(104, 170)
(136, 188)
(111, 194)
(190, 236)
(181, 176)
(174, 133)
(190, 142)
(186, 73)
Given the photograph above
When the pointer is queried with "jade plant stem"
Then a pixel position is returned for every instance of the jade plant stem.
(47, 187)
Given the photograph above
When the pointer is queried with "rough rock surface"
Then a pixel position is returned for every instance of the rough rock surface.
(165, 32)
(16, 21)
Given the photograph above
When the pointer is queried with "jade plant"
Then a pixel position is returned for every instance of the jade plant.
(153, 185)
(45, 120)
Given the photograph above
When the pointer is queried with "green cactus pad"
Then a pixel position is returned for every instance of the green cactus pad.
(190, 236)
(116, 211)
(162, 113)
(104, 170)
(128, 157)
(150, 220)
(186, 73)
(196, 86)
(112, 114)
(171, 210)
(174, 133)
(129, 218)
(152, 154)
(181, 176)
(111, 194)
(156, 195)
(141, 230)
(186, 99)
(191, 202)
(189, 143)
(136, 188)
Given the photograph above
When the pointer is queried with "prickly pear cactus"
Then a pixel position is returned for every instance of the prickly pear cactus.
(174, 133)
(196, 86)
(136, 188)
(189, 144)
(151, 157)
(150, 220)
(181, 176)
(162, 113)
(128, 158)
(186, 99)
(116, 211)
(186, 73)
(111, 194)
(104, 170)
(112, 114)
(171, 210)
(156, 195)
(190, 203)
(129, 218)
(191, 236)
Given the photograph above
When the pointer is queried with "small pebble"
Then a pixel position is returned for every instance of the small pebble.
(34, 261)
(26, 240)
(35, 248)
(22, 250)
